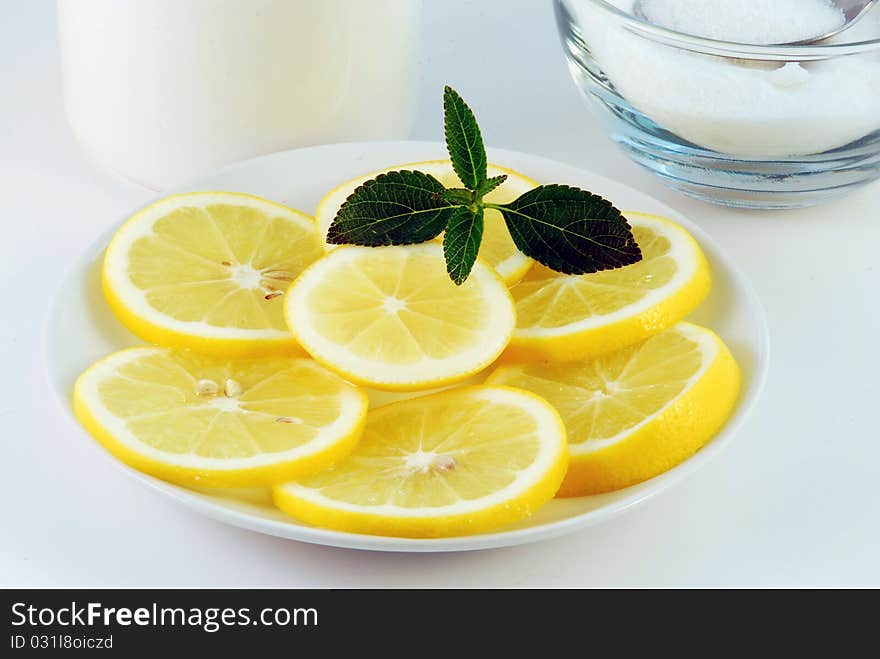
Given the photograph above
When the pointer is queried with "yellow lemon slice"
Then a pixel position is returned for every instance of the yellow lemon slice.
(199, 420)
(462, 461)
(390, 318)
(497, 248)
(634, 413)
(567, 317)
(208, 271)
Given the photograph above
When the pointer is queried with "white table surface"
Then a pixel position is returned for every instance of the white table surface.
(793, 502)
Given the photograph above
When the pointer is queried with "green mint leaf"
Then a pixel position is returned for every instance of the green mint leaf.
(490, 184)
(463, 140)
(462, 242)
(459, 196)
(570, 230)
(396, 208)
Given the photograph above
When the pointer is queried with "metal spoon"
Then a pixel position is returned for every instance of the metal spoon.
(852, 10)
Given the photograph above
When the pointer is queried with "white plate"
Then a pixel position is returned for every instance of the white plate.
(81, 329)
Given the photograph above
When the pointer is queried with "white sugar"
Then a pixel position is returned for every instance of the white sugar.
(754, 109)
(746, 21)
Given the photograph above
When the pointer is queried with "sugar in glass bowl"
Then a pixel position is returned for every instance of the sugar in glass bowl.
(751, 126)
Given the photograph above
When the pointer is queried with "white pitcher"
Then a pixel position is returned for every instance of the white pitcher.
(161, 91)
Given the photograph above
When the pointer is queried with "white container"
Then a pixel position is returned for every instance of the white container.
(162, 91)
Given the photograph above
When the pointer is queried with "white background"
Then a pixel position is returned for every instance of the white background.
(793, 502)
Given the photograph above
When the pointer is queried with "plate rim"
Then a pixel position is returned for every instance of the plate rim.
(298, 531)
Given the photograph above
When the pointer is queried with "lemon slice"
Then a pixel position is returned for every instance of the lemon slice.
(497, 248)
(567, 317)
(199, 420)
(634, 413)
(208, 271)
(462, 461)
(390, 318)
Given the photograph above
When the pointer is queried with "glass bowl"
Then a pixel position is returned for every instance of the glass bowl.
(733, 124)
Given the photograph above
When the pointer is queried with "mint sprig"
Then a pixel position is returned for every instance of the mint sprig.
(569, 230)
(396, 208)
(489, 184)
(565, 228)
(463, 140)
(462, 242)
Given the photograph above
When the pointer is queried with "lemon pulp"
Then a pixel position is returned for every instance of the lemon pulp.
(389, 317)
(460, 461)
(565, 317)
(207, 270)
(636, 412)
(196, 419)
